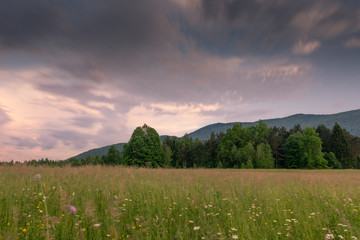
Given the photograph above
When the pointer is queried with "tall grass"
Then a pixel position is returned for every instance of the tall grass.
(129, 203)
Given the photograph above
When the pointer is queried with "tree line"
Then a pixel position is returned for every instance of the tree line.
(252, 147)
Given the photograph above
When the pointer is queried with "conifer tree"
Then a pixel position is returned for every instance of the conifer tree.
(340, 147)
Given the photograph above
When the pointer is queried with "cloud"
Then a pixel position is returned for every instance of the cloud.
(85, 73)
(71, 138)
(353, 43)
(326, 19)
(4, 117)
(117, 27)
(163, 116)
(258, 27)
(305, 48)
(24, 142)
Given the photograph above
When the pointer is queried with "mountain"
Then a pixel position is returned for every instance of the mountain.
(99, 151)
(349, 120)
(104, 150)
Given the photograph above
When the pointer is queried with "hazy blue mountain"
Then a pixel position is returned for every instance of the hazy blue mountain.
(349, 120)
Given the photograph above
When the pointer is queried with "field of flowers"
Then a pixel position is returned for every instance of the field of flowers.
(97, 202)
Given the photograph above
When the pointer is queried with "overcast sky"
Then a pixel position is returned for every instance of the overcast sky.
(76, 75)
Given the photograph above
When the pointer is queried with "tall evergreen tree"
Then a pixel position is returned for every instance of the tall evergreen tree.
(340, 147)
(198, 153)
(277, 139)
(210, 147)
(325, 136)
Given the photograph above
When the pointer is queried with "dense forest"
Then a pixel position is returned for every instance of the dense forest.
(251, 147)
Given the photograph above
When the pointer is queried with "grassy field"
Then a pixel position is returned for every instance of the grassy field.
(128, 203)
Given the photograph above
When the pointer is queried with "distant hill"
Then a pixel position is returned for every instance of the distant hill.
(104, 150)
(99, 151)
(349, 120)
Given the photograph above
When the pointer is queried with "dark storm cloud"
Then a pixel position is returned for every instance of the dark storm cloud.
(101, 27)
(157, 49)
(130, 31)
(272, 26)
(150, 48)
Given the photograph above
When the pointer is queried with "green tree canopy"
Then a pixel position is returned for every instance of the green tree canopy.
(233, 137)
(247, 156)
(310, 146)
(113, 157)
(264, 157)
(144, 148)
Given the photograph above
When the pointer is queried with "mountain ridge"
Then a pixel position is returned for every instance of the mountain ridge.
(349, 120)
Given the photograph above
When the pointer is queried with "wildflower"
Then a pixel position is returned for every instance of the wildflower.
(196, 228)
(235, 237)
(233, 229)
(72, 209)
(329, 236)
(37, 177)
(24, 230)
(97, 224)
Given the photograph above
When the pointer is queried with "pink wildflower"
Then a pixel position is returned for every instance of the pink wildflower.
(72, 209)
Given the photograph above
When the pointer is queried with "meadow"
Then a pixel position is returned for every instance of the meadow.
(102, 202)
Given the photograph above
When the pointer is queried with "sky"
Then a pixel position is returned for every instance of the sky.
(82, 74)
